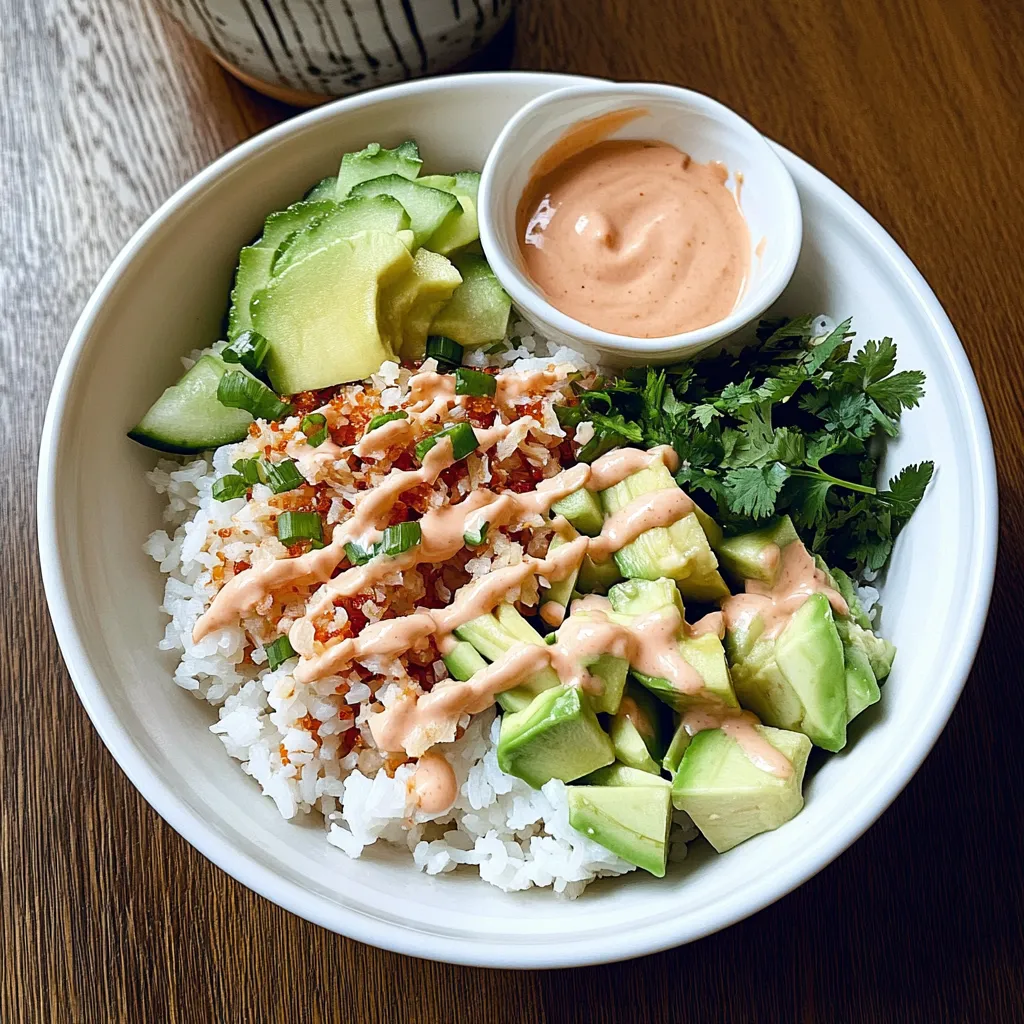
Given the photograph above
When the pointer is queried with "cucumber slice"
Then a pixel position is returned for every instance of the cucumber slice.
(457, 230)
(427, 207)
(256, 261)
(463, 661)
(478, 311)
(375, 162)
(445, 182)
(597, 577)
(583, 509)
(325, 189)
(467, 183)
(188, 418)
(369, 213)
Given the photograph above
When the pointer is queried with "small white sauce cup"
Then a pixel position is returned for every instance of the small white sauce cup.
(695, 124)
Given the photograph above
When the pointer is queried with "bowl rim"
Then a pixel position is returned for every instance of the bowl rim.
(747, 899)
(527, 295)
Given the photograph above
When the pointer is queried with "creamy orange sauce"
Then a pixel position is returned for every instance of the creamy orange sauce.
(632, 237)
(798, 578)
(433, 787)
(649, 511)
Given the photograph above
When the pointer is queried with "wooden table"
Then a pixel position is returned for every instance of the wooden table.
(914, 107)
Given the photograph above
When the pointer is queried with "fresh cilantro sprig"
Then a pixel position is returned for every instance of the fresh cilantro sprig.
(790, 424)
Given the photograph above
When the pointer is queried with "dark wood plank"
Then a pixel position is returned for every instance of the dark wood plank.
(914, 106)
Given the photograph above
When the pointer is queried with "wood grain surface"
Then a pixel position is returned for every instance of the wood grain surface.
(914, 107)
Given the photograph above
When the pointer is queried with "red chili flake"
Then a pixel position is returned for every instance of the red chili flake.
(419, 498)
(254, 430)
(224, 533)
(310, 724)
(353, 606)
(480, 411)
(534, 409)
(307, 401)
(399, 513)
(404, 462)
(284, 754)
(241, 567)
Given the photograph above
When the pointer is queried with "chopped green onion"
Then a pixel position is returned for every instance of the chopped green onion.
(399, 538)
(446, 351)
(358, 555)
(314, 426)
(279, 651)
(296, 526)
(474, 538)
(498, 346)
(464, 441)
(237, 390)
(475, 383)
(251, 470)
(568, 415)
(385, 417)
(283, 476)
(250, 348)
(230, 486)
(551, 638)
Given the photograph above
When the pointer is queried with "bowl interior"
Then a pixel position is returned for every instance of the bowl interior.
(166, 294)
(695, 124)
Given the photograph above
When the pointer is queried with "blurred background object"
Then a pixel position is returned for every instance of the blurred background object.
(306, 51)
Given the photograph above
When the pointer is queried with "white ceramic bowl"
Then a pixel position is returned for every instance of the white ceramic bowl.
(693, 123)
(165, 294)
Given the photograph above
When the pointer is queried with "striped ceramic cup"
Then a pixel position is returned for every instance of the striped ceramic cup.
(305, 51)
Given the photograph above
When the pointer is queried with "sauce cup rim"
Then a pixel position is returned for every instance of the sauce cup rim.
(529, 298)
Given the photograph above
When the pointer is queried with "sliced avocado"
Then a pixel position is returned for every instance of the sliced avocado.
(460, 228)
(478, 310)
(583, 509)
(728, 796)
(376, 162)
(188, 417)
(375, 213)
(619, 774)
(631, 821)
(427, 207)
(679, 552)
(492, 638)
(411, 302)
(797, 681)
(597, 577)
(557, 736)
(756, 555)
(463, 661)
(321, 314)
(255, 261)
(861, 687)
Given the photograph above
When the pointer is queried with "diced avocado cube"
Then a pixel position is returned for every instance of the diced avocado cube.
(861, 687)
(612, 672)
(844, 585)
(639, 597)
(728, 796)
(375, 162)
(879, 651)
(463, 661)
(619, 774)
(320, 315)
(631, 821)
(629, 745)
(597, 577)
(797, 681)
(560, 592)
(583, 509)
(477, 312)
(676, 748)
(680, 551)
(557, 736)
(756, 555)
(492, 638)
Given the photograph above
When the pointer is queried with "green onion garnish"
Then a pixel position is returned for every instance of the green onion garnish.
(399, 538)
(446, 351)
(464, 441)
(475, 383)
(358, 555)
(230, 486)
(296, 526)
(251, 470)
(283, 476)
(498, 346)
(385, 417)
(474, 538)
(551, 638)
(279, 651)
(250, 348)
(237, 390)
(314, 426)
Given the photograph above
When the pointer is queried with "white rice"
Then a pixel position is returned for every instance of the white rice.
(515, 837)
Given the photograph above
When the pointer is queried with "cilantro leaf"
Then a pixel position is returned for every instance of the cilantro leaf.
(907, 488)
(877, 359)
(902, 390)
(617, 424)
(752, 491)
